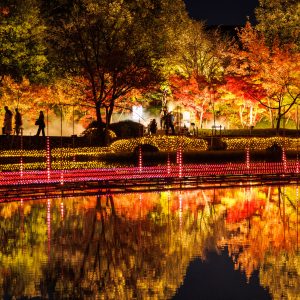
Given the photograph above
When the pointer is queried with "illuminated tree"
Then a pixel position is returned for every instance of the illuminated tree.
(112, 46)
(241, 97)
(275, 69)
(60, 99)
(202, 55)
(27, 96)
(186, 92)
(22, 46)
(66, 100)
(279, 18)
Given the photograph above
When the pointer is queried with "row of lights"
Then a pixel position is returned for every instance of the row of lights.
(56, 165)
(54, 176)
(262, 143)
(163, 143)
(57, 152)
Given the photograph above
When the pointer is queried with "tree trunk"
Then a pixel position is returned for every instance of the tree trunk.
(107, 119)
(255, 116)
(278, 123)
(201, 119)
(241, 113)
(271, 115)
(251, 116)
(98, 115)
(110, 111)
(279, 116)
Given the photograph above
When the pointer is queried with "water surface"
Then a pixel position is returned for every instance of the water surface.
(222, 243)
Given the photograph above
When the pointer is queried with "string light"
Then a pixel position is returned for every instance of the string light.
(21, 167)
(163, 143)
(284, 160)
(180, 161)
(247, 158)
(140, 159)
(48, 156)
(61, 177)
(104, 174)
(259, 143)
(48, 171)
(168, 164)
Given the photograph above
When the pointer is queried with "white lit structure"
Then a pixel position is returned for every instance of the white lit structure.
(137, 113)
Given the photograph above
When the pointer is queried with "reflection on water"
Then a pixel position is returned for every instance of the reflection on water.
(153, 245)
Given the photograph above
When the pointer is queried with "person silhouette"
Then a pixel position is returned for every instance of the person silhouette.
(7, 124)
(170, 123)
(163, 115)
(41, 123)
(153, 126)
(18, 121)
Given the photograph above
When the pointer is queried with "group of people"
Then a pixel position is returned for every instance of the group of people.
(7, 128)
(167, 121)
(7, 124)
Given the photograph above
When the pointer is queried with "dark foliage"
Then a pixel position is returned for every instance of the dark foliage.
(127, 129)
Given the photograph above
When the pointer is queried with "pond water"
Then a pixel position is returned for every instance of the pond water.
(220, 243)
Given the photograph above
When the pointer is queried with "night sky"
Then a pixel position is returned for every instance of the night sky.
(216, 279)
(222, 12)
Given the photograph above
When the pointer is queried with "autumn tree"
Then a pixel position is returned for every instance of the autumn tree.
(110, 48)
(186, 93)
(22, 48)
(279, 18)
(240, 96)
(202, 56)
(275, 68)
(58, 100)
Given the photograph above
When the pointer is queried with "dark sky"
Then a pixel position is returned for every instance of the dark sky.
(222, 12)
(216, 278)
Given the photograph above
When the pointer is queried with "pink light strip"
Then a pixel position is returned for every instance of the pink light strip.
(189, 170)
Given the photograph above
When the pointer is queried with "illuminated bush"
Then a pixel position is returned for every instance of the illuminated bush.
(92, 157)
(260, 143)
(163, 143)
(84, 151)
